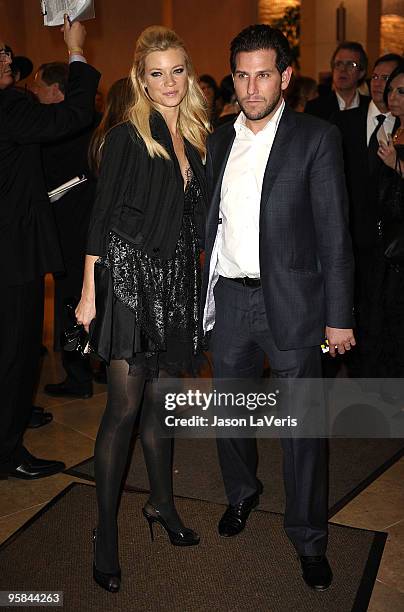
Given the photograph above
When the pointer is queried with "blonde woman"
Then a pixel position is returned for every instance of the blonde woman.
(142, 278)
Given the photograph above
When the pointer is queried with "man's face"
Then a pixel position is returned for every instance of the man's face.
(345, 75)
(6, 76)
(258, 84)
(380, 74)
(46, 94)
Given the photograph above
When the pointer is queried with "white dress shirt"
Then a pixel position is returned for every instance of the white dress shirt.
(240, 197)
(236, 249)
(342, 104)
(386, 127)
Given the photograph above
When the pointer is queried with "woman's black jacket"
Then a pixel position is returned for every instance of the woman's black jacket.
(141, 198)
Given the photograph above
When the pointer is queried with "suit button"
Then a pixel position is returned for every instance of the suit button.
(156, 250)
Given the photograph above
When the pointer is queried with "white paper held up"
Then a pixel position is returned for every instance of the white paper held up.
(54, 10)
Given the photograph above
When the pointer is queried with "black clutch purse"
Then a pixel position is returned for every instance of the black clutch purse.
(75, 338)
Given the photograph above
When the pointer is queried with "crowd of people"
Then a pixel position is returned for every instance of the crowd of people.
(296, 200)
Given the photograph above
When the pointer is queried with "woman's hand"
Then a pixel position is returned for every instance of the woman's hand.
(387, 153)
(85, 311)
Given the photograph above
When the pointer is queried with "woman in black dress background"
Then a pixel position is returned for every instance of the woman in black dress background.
(386, 286)
(142, 278)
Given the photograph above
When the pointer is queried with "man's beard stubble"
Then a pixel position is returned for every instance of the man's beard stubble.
(261, 114)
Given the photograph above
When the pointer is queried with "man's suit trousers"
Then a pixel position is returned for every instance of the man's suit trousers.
(240, 340)
(21, 323)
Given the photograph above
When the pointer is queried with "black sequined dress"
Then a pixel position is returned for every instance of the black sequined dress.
(148, 308)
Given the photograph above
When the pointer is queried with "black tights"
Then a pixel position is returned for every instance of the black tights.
(111, 454)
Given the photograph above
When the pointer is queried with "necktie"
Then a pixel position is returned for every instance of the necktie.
(374, 145)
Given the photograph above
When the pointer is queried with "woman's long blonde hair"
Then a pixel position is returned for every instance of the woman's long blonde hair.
(193, 122)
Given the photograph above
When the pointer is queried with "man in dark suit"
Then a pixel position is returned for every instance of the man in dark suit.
(278, 275)
(62, 161)
(349, 65)
(361, 130)
(28, 241)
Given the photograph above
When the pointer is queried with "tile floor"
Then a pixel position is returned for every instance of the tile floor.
(70, 437)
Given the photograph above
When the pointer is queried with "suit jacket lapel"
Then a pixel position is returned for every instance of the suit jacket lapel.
(221, 155)
(278, 155)
(220, 152)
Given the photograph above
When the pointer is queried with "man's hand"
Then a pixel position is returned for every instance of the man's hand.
(74, 34)
(339, 340)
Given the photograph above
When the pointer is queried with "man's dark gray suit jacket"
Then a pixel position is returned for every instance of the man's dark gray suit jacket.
(306, 263)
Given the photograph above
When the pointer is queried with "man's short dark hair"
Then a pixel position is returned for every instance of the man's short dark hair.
(55, 72)
(261, 37)
(389, 57)
(357, 48)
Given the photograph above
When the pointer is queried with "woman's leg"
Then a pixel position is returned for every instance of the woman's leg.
(111, 454)
(158, 453)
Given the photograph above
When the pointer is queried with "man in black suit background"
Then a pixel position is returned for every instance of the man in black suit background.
(278, 275)
(361, 130)
(29, 245)
(64, 160)
(349, 66)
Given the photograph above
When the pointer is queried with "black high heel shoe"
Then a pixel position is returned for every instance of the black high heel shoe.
(109, 582)
(182, 537)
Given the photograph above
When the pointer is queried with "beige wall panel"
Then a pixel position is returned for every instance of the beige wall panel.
(208, 27)
(319, 31)
(12, 24)
(111, 36)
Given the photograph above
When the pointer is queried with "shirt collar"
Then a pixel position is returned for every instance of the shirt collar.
(373, 111)
(341, 102)
(266, 134)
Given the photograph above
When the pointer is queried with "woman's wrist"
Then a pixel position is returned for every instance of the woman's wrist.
(75, 51)
(88, 295)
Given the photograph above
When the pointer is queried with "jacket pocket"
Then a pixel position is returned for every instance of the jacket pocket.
(136, 241)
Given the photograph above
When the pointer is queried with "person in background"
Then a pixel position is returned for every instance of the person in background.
(230, 107)
(302, 90)
(387, 305)
(64, 160)
(141, 287)
(362, 128)
(22, 67)
(29, 245)
(349, 64)
(119, 100)
(211, 92)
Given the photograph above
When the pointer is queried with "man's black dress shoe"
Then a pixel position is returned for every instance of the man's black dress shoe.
(32, 468)
(63, 389)
(317, 572)
(235, 517)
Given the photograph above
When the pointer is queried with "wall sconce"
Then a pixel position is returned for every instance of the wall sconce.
(341, 20)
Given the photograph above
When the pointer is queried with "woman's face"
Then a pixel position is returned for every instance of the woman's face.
(166, 77)
(396, 96)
